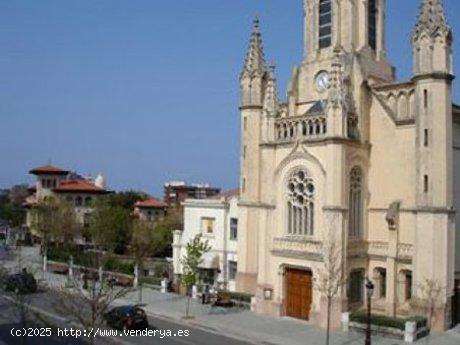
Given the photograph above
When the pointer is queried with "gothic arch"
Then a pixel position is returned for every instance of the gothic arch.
(299, 153)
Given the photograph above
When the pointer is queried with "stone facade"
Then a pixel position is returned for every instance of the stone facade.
(353, 156)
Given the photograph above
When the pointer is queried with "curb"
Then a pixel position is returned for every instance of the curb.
(213, 330)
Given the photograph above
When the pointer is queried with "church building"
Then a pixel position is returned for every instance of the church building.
(354, 166)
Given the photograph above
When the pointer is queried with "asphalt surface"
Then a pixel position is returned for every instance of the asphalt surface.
(43, 314)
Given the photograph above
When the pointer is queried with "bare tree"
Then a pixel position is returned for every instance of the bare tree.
(143, 242)
(431, 296)
(88, 300)
(331, 277)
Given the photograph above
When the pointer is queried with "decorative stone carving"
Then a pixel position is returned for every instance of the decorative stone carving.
(392, 215)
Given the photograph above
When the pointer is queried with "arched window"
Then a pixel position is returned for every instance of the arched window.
(300, 204)
(78, 201)
(88, 201)
(372, 12)
(325, 23)
(356, 203)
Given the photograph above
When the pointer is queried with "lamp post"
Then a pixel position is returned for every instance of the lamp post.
(370, 291)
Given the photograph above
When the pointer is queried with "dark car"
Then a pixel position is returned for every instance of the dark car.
(22, 283)
(127, 317)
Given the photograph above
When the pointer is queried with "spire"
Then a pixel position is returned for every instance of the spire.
(271, 99)
(431, 19)
(255, 60)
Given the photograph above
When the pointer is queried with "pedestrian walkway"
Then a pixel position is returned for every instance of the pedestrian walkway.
(245, 325)
(259, 329)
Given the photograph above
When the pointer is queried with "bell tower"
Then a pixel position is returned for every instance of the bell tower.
(353, 24)
(432, 56)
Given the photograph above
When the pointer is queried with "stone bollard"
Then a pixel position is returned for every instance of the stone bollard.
(164, 286)
(345, 322)
(410, 332)
(136, 276)
(253, 304)
(194, 292)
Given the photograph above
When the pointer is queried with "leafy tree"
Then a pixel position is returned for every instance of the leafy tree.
(164, 234)
(55, 221)
(193, 257)
(17, 194)
(11, 202)
(110, 227)
(126, 199)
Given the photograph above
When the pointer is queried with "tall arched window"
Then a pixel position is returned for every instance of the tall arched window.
(325, 23)
(372, 12)
(300, 204)
(78, 201)
(356, 203)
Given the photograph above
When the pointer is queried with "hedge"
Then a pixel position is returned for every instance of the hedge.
(151, 280)
(386, 321)
(88, 259)
(113, 264)
(238, 296)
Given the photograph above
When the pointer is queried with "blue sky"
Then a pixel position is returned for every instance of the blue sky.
(145, 91)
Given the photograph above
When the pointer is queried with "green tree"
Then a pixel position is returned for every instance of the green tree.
(110, 227)
(193, 257)
(11, 202)
(54, 220)
(164, 234)
(126, 199)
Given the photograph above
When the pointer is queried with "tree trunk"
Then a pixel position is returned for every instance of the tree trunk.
(328, 324)
(45, 263)
(187, 308)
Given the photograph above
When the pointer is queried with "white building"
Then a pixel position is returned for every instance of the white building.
(216, 219)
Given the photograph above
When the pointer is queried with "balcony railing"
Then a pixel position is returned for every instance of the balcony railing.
(293, 128)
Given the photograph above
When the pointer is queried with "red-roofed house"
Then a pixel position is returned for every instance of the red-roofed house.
(54, 182)
(151, 209)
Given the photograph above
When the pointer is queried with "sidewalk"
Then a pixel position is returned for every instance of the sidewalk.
(245, 325)
(242, 324)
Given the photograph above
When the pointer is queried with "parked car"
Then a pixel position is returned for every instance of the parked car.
(127, 317)
(22, 283)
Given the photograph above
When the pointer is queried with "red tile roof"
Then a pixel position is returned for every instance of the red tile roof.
(48, 169)
(151, 203)
(70, 186)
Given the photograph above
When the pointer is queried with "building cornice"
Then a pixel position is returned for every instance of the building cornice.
(441, 210)
(250, 107)
(256, 205)
(435, 75)
(318, 142)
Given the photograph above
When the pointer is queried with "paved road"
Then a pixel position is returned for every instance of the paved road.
(43, 304)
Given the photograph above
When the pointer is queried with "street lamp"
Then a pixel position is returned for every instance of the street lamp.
(370, 291)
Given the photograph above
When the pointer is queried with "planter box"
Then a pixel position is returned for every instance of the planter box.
(409, 335)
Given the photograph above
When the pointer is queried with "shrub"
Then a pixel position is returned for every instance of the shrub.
(238, 296)
(386, 321)
(113, 264)
(151, 280)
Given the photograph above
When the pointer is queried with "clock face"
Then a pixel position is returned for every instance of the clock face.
(322, 81)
